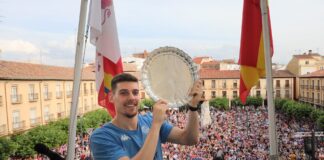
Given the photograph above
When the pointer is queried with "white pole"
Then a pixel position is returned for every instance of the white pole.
(79, 54)
(271, 110)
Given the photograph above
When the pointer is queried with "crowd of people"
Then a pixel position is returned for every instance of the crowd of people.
(241, 134)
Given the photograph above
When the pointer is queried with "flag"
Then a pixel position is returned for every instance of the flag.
(252, 48)
(103, 34)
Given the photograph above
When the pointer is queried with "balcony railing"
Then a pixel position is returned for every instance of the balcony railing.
(287, 86)
(311, 87)
(3, 129)
(277, 86)
(35, 121)
(16, 99)
(59, 95)
(322, 103)
(33, 97)
(92, 91)
(61, 115)
(47, 96)
(1, 102)
(278, 95)
(18, 126)
(235, 87)
(317, 101)
(317, 87)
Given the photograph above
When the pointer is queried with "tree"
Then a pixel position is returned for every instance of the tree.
(236, 102)
(254, 101)
(219, 103)
(146, 102)
(7, 148)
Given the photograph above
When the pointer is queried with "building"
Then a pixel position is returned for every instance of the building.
(225, 83)
(34, 94)
(305, 63)
(312, 88)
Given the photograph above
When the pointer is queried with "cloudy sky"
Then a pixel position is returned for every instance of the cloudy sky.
(44, 31)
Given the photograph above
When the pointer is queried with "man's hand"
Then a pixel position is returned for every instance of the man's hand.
(159, 112)
(196, 93)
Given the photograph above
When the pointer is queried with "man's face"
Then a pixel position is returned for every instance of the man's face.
(126, 99)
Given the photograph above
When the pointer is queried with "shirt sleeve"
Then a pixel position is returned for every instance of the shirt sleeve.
(165, 131)
(105, 147)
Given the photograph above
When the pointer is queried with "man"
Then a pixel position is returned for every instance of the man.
(134, 136)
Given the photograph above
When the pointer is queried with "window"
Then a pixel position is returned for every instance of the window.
(85, 104)
(286, 83)
(235, 84)
(68, 90)
(91, 88)
(258, 93)
(234, 94)
(203, 82)
(213, 94)
(33, 115)
(287, 94)
(85, 91)
(224, 94)
(46, 113)
(278, 83)
(46, 96)
(93, 105)
(224, 84)
(278, 94)
(14, 94)
(32, 96)
(58, 90)
(258, 85)
(213, 84)
(16, 119)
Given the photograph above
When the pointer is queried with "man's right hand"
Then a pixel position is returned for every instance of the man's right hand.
(159, 112)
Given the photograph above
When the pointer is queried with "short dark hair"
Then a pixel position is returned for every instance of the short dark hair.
(123, 77)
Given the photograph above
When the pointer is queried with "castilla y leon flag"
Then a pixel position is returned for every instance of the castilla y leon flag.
(103, 34)
(252, 47)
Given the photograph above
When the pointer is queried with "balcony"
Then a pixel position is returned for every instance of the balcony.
(61, 115)
(49, 118)
(18, 126)
(322, 103)
(47, 96)
(59, 95)
(287, 86)
(316, 101)
(223, 86)
(322, 87)
(235, 87)
(278, 96)
(1, 102)
(16, 99)
(3, 129)
(317, 88)
(69, 94)
(33, 97)
(35, 121)
(311, 87)
(92, 91)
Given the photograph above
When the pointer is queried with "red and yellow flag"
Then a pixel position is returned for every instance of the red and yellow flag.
(103, 34)
(252, 48)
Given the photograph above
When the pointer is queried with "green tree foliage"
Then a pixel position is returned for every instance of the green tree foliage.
(52, 135)
(219, 103)
(236, 102)
(146, 102)
(254, 101)
(7, 148)
(320, 123)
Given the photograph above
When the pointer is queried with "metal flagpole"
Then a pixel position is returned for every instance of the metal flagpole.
(271, 110)
(79, 54)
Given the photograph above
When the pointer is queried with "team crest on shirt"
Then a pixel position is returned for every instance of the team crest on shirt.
(124, 137)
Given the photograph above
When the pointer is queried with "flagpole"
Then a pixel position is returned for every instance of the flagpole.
(79, 54)
(271, 110)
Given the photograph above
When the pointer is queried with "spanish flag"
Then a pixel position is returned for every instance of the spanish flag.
(103, 34)
(252, 47)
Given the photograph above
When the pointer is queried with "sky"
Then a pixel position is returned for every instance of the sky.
(45, 31)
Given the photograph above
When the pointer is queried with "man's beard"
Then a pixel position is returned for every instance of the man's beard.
(130, 115)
